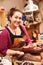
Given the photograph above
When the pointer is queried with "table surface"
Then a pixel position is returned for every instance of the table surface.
(21, 62)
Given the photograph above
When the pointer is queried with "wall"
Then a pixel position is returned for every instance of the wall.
(12, 3)
(19, 4)
(7, 4)
(41, 10)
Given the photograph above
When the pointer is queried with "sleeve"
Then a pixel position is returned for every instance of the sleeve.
(28, 40)
(5, 42)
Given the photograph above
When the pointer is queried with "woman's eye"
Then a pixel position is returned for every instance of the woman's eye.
(20, 18)
(16, 17)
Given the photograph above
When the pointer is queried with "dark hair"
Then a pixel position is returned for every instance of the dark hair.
(11, 12)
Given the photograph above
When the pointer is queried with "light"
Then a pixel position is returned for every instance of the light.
(30, 7)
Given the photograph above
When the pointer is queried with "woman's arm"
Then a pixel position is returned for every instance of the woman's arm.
(28, 40)
(5, 43)
(12, 52)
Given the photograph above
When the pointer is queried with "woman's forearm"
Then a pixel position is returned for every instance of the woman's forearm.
(12, 52)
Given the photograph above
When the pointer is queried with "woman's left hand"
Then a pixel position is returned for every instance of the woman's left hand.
(29, 46)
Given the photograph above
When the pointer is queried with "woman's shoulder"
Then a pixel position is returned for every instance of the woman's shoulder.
(23, 27)
(5, 31)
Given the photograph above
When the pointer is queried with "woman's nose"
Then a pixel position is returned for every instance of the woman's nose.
(18, 20)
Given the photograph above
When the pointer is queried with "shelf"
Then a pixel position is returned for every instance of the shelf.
(2, 18)
(1, 28)
(1, 11)
(31, 27)
(30, 24)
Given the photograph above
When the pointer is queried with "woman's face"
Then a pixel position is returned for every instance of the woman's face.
(16, 19)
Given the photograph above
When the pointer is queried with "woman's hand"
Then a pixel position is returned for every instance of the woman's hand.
(29, 46)
(13, 52)
(19, 52)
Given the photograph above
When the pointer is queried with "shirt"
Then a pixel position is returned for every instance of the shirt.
(5, 40)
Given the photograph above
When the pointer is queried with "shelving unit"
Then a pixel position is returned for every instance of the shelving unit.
(34, 19)
(2, 19)
(33, 27)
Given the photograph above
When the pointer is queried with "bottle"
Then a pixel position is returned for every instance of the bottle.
(34, 36)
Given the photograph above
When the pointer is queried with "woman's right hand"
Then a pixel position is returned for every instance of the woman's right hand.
(13, 52)
(19, 52)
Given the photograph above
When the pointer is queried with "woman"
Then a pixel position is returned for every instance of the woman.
(13, 34)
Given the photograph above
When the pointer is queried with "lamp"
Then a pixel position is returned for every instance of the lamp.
(30, 7)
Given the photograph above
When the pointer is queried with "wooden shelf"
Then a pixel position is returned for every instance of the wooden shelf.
(1, 28)
(1, 11)
(32, 24)
(2, 18)
(31, 27)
